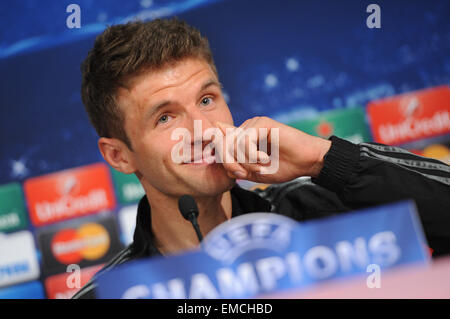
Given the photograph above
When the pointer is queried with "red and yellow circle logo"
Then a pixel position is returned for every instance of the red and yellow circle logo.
(70, 246)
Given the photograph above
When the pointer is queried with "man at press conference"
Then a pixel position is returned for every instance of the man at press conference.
(143, 80)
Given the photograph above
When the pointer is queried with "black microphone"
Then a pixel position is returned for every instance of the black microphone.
(189, 210)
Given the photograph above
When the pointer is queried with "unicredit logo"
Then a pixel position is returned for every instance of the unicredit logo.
(412, 128)
(70, 193)
(411, 116)
(68, 206)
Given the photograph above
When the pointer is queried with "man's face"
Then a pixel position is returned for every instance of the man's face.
(158, 103)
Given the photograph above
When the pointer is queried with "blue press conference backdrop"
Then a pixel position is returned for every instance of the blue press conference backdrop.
(285, 59)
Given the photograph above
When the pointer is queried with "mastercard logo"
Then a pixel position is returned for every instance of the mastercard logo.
(89, 242)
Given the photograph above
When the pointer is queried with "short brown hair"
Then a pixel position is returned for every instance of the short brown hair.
(123, 51)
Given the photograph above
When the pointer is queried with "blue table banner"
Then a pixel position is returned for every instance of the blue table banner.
(265, 253)
(28, 290)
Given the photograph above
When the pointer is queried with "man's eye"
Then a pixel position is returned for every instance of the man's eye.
(206, 101)
(163, 119)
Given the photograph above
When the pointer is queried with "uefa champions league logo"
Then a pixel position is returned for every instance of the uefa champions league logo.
(248, 234)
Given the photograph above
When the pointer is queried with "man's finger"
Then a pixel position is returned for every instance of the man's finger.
(235, 170)
(223, 127)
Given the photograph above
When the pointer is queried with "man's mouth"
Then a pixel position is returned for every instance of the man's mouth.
(202, 160)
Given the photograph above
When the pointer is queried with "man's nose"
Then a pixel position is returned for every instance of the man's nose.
(197, 124)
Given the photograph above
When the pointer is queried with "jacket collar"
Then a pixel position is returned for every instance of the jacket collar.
(243, 202)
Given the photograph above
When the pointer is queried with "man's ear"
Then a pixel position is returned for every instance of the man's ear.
(117, 154)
